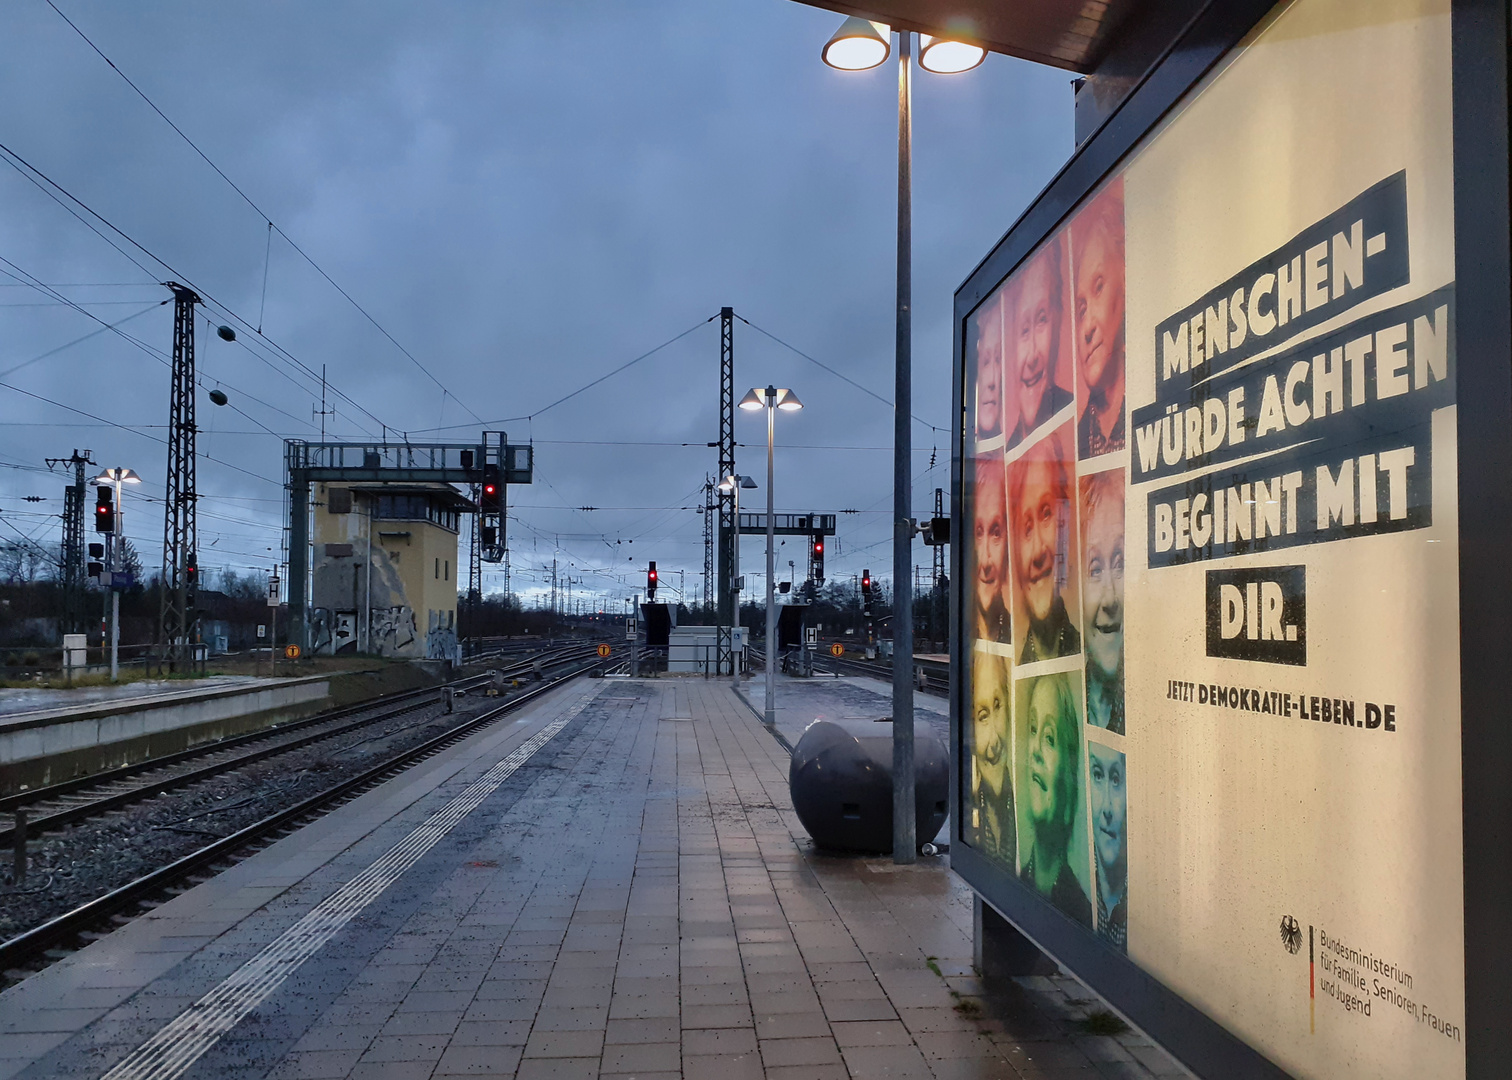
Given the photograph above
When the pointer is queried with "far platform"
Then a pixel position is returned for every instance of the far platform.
(67, 700)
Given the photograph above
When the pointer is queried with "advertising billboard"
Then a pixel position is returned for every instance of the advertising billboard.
(1209, 705)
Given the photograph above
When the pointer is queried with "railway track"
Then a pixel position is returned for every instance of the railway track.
(56, 937)
(934, 682)
(84, 797)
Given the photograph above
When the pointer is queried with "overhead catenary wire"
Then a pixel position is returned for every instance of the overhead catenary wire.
(143, 434)
(74, 303)
(262, 308)
(272, 226)
(73, 205)
(86, 285)
(79, 341)
(839, 375)
(581, 389)
(24, 277)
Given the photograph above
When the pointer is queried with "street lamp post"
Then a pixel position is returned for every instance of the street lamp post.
(731, 485)
(858, 45)
(905, 843)
(771, 399)
(115, 478)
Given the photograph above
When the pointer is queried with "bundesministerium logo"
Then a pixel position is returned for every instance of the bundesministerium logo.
(1258, 614)
(1291, 934)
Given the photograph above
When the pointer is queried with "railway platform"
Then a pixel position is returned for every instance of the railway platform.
(611, 883)
(27, 699)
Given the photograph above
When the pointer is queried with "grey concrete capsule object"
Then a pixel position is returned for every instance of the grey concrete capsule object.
(840, 779)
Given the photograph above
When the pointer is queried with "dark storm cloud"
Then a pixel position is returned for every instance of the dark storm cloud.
(526, 196)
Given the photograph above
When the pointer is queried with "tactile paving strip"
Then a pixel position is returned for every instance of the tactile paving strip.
(178, 1045)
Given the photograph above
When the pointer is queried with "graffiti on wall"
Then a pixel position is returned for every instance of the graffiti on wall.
(441, 639)
(393, 631)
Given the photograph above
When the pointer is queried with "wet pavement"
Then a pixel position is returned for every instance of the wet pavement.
(610, 884)
(844, 699)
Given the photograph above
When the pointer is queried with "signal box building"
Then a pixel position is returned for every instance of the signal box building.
(385, 569)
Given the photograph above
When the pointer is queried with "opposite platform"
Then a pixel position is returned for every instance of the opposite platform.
(610, 883)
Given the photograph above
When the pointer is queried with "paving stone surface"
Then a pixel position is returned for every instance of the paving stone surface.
(637, 901)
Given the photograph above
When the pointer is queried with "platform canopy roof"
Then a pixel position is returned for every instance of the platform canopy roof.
(1070, 34)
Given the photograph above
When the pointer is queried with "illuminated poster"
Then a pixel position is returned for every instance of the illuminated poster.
(1211, 609)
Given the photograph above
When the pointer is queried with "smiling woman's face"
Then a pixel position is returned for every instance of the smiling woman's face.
(1103, 582)
(989, 722)
(1099, 310)
(1109, 804)
(989, 373)
(1035, 339)
(1037, 524)
(990, 536)
(1045, 752)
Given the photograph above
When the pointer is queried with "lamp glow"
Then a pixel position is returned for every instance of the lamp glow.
(730, 483)
(858, 45)
(788, 401)
(944, 56)
(753, 400)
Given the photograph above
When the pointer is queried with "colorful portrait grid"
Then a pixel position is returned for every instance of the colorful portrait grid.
(1044, 762)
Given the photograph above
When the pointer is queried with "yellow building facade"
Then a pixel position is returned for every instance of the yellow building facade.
(385, 570)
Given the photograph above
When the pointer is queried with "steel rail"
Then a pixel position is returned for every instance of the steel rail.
(31, 796)
(65, 787)
(63, 928)
(934, 684)
(393, 706)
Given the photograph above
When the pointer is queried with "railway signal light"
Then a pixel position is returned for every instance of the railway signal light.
(491, 500)
(651, 582)
(191, 582)
(95, 569)
(105, 515)
(816, 559)
(936, 531)
(866, 593)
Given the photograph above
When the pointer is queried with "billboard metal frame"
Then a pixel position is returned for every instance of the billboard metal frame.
(1483, 273)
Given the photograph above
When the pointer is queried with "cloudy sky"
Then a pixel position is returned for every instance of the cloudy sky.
(525, 196)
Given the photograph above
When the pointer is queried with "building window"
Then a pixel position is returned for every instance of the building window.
(416, 507)
(448, 569)
(438, 569)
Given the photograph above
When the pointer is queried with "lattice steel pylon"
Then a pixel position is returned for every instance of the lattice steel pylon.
(728, 535)
(475, 563)
(73, 542)
(178, 621)
(710, 510)
(937, 584)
